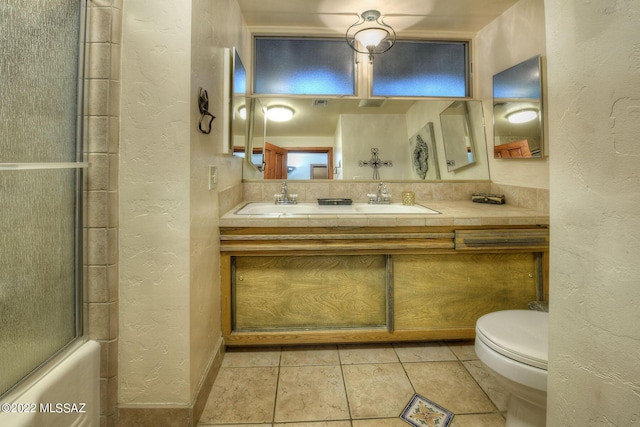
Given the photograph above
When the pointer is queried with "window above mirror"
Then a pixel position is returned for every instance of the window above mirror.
(422, 68)
(300, 66)
(327, 67)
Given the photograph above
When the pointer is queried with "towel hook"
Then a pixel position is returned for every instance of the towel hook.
(203, 106)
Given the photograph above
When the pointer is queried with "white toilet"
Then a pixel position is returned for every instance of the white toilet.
(514, 344)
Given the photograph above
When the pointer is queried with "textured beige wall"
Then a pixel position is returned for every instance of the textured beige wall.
(594, 108)
(216, 25)
(169, 271)
(517, 35)
(387, 133)
(154, 203)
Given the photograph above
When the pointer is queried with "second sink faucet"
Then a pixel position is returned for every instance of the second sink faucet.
(284, 198)
(382, 196)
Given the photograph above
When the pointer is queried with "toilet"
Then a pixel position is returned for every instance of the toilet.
(514, 345)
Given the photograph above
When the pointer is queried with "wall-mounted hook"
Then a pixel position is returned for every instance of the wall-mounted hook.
(203, 106)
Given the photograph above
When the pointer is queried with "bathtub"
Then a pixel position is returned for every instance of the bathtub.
(64, 393)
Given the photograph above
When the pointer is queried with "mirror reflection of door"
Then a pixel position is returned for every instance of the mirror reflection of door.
(319, 172)
(310, 163)
(512, 149)
(275, 159)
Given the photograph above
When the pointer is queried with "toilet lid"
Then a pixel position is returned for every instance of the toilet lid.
(521, 335)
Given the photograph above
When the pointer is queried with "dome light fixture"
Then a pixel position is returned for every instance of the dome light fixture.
(279, 113)
(522, 116)
(370, 35)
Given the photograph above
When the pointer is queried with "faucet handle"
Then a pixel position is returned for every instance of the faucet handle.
(386, 195)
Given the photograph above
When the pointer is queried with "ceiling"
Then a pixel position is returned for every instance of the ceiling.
(405, 16)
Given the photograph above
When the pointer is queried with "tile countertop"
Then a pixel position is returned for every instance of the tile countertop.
(452, 213)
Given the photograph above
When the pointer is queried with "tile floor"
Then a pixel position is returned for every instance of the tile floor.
(352, 385)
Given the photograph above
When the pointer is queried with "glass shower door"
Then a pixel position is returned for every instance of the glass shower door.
(40, 182)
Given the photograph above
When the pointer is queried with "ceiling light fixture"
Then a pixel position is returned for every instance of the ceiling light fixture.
(370, 34)
(279, 113)
(522, 116)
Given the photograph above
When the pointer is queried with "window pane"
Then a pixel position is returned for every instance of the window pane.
(304, 67)
(37, 269)
(39, 80)
(435, 69)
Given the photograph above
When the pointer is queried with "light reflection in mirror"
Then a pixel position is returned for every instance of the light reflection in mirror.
(516, 90)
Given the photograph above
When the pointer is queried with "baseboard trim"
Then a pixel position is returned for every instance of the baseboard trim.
(154, 416)
(207, 382)
(141, 416)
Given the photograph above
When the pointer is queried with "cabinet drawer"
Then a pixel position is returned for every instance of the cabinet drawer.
(529, 239)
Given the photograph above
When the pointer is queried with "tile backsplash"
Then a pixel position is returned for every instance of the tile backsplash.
(530, 198)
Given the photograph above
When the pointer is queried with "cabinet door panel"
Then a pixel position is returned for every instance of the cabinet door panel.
(319, 292)
(452, 291)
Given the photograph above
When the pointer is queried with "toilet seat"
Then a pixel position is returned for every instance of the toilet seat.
(520, 335)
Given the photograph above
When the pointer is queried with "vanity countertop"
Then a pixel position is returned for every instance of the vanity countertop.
(452, 213)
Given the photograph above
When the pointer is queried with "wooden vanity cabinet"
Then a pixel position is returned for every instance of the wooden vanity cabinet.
(435, 292)
(371, 284)
(309, 292)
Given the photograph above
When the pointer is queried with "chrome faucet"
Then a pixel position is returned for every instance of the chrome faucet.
(284, 198)
(381, 197)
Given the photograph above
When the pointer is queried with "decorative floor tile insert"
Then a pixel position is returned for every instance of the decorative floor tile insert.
(421, 412)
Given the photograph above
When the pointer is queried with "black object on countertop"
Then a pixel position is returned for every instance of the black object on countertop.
(334, 201)
(492, 199)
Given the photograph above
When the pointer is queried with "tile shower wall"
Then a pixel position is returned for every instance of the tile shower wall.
(102, 89)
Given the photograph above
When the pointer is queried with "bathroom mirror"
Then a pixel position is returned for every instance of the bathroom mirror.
(517, 111)
(256, 136)
(238, 102)
(238, 105)
(350, 128)
(456, 136)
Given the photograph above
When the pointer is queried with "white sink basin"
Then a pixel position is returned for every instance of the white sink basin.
(270, 209)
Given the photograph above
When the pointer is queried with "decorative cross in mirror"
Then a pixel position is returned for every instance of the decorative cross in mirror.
(375, 163)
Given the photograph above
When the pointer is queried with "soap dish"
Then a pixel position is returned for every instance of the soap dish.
(334, 201)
